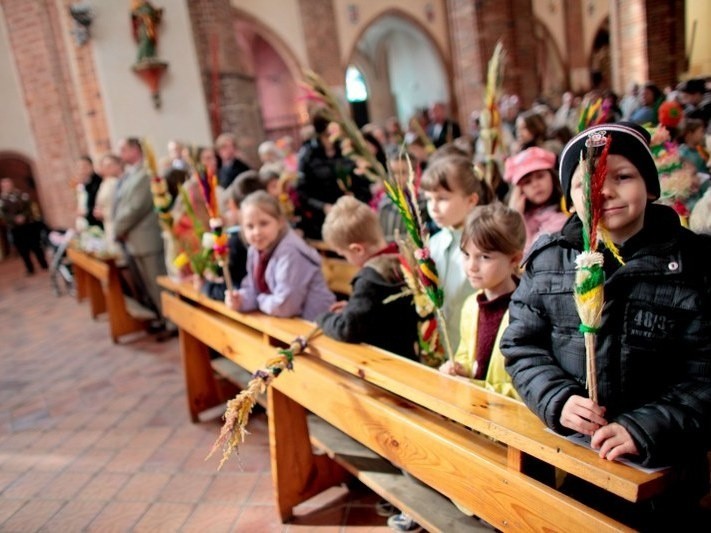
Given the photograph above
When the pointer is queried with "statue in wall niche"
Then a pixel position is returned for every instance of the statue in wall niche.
(145, 19)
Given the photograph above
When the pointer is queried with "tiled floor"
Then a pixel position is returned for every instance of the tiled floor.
(96, 437)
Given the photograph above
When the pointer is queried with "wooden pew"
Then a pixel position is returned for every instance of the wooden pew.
(98, 280)
(384, 406)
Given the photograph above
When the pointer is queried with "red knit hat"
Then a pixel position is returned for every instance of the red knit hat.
(670, 113)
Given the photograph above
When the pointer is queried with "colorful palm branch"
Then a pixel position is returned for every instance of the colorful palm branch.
(589, 274)
(419, 268)
(490, 119)
(208, 186)
(591, 114)
(354, 145)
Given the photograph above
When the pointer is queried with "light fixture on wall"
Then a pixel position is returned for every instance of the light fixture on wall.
(83, 16)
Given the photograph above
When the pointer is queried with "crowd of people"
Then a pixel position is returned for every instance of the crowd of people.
(505, 231)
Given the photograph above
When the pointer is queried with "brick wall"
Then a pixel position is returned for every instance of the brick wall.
(475, 27)
(665, 41)
(236, 98)
(468, 75)
(41, 57)
(648, 41)
(318, 20)
(93, 113)
(628, 42)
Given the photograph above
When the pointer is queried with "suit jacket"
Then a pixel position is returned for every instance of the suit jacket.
(449, 131)
(135, 221)
(227, 173)
(92, 189)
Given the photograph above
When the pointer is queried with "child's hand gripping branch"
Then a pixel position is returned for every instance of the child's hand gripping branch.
(233, 299)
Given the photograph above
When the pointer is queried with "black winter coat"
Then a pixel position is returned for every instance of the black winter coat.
(391, 326)
(323, 180)
(653, 348)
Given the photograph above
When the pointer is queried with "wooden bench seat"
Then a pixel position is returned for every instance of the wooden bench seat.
(389, 482)
(99, 281)
(412, 416)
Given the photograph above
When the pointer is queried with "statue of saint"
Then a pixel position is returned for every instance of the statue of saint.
(145, 20)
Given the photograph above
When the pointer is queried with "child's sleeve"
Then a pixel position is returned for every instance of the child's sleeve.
(677, 424)
(467, 325)
(351, 324)
(291, 283)
(537, 376)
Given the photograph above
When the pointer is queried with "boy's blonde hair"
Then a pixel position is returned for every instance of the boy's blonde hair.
(456, 174)
(495, 228)
(351, 221)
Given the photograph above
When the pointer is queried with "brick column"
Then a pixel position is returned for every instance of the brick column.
(666, 48)
(475, 27)
(41, 57)
(578, 68)
(86, 82)
(647, 41)
(468, 63)
(324, 56)
(237, 103)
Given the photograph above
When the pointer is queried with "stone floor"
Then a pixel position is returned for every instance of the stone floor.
(96, 436)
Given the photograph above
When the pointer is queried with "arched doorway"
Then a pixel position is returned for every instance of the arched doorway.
(600, 61)
(357, 95)
(392, 53)
(552, 74)
(276, 73)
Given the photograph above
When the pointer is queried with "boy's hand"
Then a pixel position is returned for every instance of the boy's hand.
(337, 307)
(613, 441)
(233, 299)
(452, 368)
(582, 415)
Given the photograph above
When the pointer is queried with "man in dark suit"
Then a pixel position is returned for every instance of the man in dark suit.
(441, 130)
(232, 165)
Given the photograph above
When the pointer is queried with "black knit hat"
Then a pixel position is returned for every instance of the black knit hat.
(627, 139)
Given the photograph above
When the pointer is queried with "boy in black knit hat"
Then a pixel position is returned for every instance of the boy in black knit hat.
(653, 345)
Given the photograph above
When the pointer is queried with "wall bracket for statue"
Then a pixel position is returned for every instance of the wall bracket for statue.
(145, 19)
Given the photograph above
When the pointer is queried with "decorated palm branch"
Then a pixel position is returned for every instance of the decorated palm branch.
(162, 204)
(217, 240)
(591, 115)
(589, 274)
(234, 430)
(192, 251)
(679, 182)
(490, 119)
(418, 267)
(353, 144)
(418, 130)
(162, 199)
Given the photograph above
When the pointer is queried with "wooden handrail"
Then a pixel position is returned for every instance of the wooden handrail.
(498, 417)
